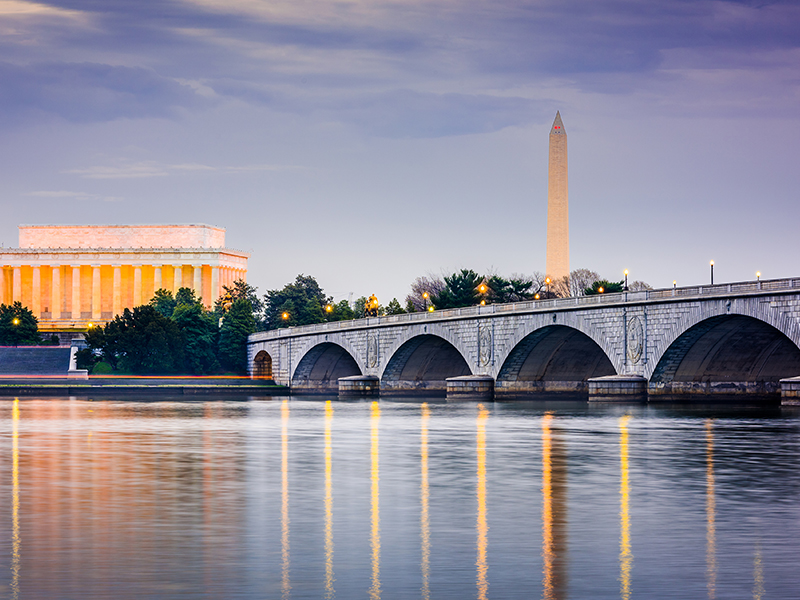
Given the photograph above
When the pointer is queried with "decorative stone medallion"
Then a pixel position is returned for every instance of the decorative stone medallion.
(635, 339)
(372, 351)
(484, 345)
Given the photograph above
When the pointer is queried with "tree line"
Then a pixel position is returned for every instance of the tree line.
(176, 335)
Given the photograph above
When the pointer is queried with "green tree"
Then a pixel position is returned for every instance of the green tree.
(359, 307)
(341, 312)
(199, 330)
(461, 289)
(18, 326)
(237, 324)
(607, 286)
(241, 290)
(302, 301)
(141, 341)
(394, 308)
(164, 302)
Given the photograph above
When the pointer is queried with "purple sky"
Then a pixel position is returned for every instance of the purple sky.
(367, 143)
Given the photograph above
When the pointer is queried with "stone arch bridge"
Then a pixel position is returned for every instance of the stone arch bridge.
(736, 338)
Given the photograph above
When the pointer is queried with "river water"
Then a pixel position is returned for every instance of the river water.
(316, 498)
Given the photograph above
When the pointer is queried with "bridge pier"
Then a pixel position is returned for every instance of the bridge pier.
(359, 385)
(470, 387)
(618, 388)
(790, 391)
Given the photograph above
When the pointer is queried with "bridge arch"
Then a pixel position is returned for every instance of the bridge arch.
(262, 365)
(320, 366)
(552, 358)
(572, 320)
(423, 363)
(726, 353)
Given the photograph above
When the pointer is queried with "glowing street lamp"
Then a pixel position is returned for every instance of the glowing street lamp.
(426, 296)
(758, 275)
(15, 321)
(547, 283)
(600, 290)
(430, 308)
(712, 272)
(328, 308)
(625, 289)
(285, 316)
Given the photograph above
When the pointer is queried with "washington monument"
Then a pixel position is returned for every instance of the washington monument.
(557, 205)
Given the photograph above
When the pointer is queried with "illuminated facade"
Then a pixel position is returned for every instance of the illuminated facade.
(72, 275)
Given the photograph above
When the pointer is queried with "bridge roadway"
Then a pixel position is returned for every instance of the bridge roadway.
(736, 338)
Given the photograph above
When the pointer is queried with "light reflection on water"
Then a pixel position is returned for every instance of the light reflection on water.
(312, 498)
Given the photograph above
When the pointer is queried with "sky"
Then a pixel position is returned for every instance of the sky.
(369, 143)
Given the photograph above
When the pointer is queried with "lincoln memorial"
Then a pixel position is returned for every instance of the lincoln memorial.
(71, 276)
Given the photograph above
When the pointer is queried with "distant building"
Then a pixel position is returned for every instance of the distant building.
(557, 204)
(72, 275)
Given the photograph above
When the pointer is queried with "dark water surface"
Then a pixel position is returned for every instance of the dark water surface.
(308, 498)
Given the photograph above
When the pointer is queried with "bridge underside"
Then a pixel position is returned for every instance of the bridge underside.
(553, 359)
(320, 369)
(726, 355)
(422, 365)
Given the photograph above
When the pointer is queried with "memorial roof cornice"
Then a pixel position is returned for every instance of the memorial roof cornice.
(124, 251)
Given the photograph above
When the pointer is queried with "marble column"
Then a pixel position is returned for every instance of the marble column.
(76, 293)
(157, 285)
(214, 286)
(116, 301)
(137, 286)
(16, 286)
(97, 302)
(2, 285)
(36, 292)
(198, 281)
(55, 293)
(177, 282)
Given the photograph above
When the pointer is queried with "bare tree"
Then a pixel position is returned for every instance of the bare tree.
(575, 284)
(428, 283)
(639, 286)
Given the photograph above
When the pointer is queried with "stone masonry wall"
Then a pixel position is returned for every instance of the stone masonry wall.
(634, 335)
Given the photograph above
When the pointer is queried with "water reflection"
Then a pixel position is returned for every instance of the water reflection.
(625, 554)
(15, 537)
(424, 519)
(711, 513)
(482, 526)
(758, 574)
(375, 514)
(235, 500)
(286, 585)
(329, 579)
(554, 512)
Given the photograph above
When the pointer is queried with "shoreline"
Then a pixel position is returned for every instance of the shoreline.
(172, 385)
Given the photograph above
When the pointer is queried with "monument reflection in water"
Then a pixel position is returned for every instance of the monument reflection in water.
(308, 498)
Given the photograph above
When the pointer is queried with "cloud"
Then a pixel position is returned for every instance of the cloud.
(91, 92)
(128, 171)
(73, 196)
(406, 113)
(146, 169)
(412, 69)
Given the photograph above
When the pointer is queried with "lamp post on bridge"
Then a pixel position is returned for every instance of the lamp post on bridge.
(712, 272)
(625, 289)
